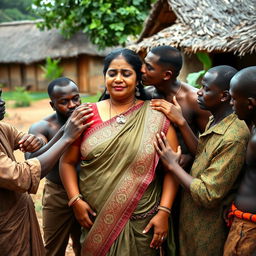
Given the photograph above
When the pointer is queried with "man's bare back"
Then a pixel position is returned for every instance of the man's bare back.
(246, 197)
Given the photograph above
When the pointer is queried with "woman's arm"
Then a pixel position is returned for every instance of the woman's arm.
(170, 186)
(69, 178)
(68, 172)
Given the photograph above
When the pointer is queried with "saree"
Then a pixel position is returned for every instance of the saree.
(117, 179)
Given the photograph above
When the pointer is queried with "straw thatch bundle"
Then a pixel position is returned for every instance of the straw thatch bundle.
(196, 25)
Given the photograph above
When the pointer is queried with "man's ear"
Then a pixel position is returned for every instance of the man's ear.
(168, 75)
(225, 96)
(52, 105)
(252, 103)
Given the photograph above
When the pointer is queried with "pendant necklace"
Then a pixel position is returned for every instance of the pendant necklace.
(121, 118)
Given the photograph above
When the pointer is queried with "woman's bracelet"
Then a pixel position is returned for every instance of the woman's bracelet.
(164, 208)
(72, 201)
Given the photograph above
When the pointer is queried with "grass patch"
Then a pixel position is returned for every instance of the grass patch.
(11, 95)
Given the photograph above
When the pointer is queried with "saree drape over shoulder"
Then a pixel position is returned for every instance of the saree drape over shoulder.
(118, 180)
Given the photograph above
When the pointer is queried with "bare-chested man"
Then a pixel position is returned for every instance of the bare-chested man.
(242, 235)
(161, 68)
(58, 220)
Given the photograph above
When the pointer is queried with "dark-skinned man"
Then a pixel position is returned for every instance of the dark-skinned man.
(59, 222)
(161, 68)
(242, 236)
(210, 186)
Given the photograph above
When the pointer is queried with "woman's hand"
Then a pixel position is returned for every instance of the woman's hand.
(167, 155)
(172, 111)
(160, 224)
(83, 211)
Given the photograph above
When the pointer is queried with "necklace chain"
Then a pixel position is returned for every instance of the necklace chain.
(121, 118)
(176, 94)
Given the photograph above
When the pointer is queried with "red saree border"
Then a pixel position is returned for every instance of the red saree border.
(124, 200)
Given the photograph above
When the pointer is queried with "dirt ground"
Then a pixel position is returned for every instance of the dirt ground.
(22, 118)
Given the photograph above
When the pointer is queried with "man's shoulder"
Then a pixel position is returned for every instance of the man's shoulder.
(189, 92)
(45, 124)
(237, 131)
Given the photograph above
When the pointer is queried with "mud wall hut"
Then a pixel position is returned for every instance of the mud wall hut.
(23, 48)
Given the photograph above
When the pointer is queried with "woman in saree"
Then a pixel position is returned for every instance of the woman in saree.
(121, 202)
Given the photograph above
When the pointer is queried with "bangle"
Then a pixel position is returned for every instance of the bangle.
(74, 199)
(78, 198)
(164, 208)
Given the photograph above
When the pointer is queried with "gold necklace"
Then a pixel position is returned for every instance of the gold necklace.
(121, 118)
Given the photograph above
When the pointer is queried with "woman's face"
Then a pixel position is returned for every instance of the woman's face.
(121, 79)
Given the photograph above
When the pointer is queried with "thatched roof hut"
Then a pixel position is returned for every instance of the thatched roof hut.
(195, 25)
(23, 48)
(23, 42)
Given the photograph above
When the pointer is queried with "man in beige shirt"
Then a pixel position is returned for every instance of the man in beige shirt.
(19, 230)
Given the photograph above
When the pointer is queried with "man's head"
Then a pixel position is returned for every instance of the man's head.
(162, 63)
(243, 93)
(2, 106)
(64, 96)
(215, 88)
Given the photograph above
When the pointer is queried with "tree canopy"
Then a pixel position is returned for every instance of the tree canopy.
(105, 22)
(16, 10)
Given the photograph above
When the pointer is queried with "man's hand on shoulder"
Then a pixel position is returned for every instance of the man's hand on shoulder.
(172, 110)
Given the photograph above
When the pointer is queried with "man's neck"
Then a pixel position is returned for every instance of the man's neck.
(221, 113)
(170, 88)
(60, 119)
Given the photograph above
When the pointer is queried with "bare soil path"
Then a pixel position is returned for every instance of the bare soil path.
(22, 119)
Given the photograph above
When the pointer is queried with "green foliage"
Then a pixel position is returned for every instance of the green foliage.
(21, 97)
(106, 22)
(192, 78)
(51, 69)
(205, 59)
(16, 10)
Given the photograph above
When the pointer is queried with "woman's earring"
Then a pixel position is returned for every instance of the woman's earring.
(107, 92)
(137, 92)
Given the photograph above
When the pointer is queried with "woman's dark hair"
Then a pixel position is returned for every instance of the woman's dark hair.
(133, 59)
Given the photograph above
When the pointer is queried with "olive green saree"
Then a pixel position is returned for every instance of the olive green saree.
(118, 180)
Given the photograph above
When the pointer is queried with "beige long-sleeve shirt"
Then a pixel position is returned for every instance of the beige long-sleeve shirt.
(19, 230)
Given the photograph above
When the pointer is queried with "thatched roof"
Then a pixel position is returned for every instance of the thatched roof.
(23, 42)
(201, 25)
